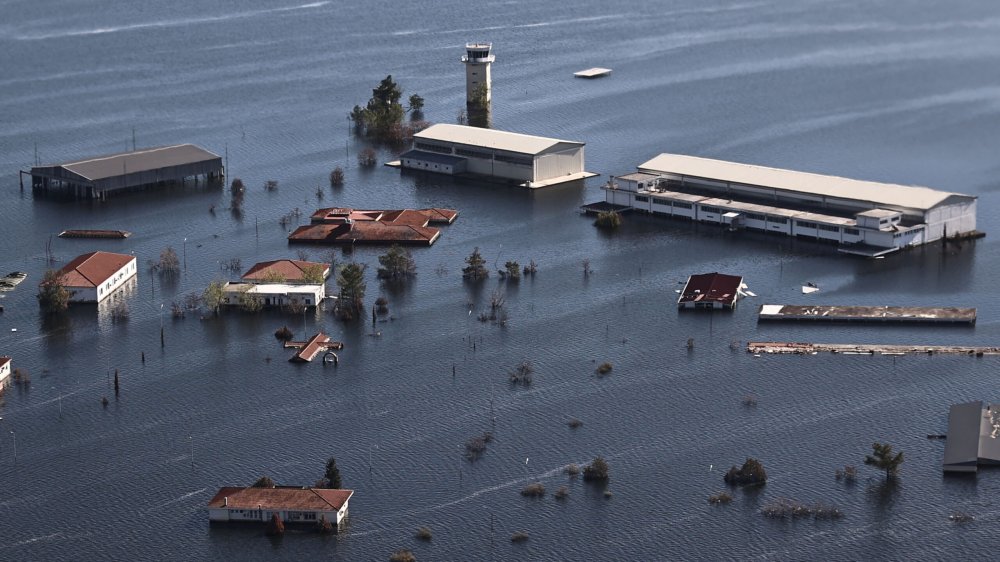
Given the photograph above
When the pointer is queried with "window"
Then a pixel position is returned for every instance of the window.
(805, 224)
(708, 209)
(777, 220)
(516, 160)
(641, 199)
(433, 148)
(682, 205)
(658, 201)
(829, 228)
(852, 231)
(473, 153)
(755, 216)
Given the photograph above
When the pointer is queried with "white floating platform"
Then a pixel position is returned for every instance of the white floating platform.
(595, 72)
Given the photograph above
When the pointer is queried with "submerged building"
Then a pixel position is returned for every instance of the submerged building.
(973, 431)
(95, 276)
(710, 290)
(96, 177)
(864, 217)
(306, 506)
(527, 160)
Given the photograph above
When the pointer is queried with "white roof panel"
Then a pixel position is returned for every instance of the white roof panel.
(490, 138)
(922, 198)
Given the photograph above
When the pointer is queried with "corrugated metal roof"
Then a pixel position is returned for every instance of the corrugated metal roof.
(138, 161)
(914, 197)
(490, 138)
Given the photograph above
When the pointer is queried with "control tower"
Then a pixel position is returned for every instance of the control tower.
(478, 58)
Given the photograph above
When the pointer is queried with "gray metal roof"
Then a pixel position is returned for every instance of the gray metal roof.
(490, 138)
(972, 437)
(922, 198)
(142, 160)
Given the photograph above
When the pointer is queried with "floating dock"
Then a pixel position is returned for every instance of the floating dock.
(596, 72)
(95, 234)
(867, 349)
(901, 314)
(308, 350)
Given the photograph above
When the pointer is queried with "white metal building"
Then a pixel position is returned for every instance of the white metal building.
(532, 161)
(93, 277)
(864, 217)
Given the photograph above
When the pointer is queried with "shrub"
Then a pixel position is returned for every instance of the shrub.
(562, 493)
(572, 469)
(574, 423)
(382, 305)
(848, 474)
(782, 508)
(275, 526)
(535, 490)
(519, 536)
(608, 219)
(512, 271)
(271, 185)
(337, 177)
(752, 472)
(324, 526)
(522, 374)
(424, 533)
(531, 268)
(604, 368)
(476, 446)
(52, 295)
(749, 400)
(402, 555)
(596, 471)
(720, 498)
(284, 334)
(263, 482)
(367, 158)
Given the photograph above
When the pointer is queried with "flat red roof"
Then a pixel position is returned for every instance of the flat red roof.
(711, 287)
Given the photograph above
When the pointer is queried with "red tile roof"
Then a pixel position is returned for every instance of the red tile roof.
(90, 270)
(717, 287)
(281, 498)
(291, 270)
(365, 232)
(308, 351)
(4, 360)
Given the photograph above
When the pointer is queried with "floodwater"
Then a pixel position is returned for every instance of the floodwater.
(904, 93)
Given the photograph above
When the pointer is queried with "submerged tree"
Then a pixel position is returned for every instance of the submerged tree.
(597, 470)
(475, 268)
(337, 177)
(331, 477)
(52, 295)
(381, 117)
(263, 482)
(169, 263)
(313, 274)
(396, 264)
(609, 220)
(213, 295)
(351, 300)
(883, 459)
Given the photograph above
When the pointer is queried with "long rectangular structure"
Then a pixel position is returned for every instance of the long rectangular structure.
(901, 314)
(972, 437)
(292, 505)
(863, 217)
(528, 160)
(95, 177)
(95, 276)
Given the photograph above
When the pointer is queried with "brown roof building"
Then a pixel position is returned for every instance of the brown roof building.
(283, 271)
(292, 504)
(92, 277)
(710, 290)
(341, 225)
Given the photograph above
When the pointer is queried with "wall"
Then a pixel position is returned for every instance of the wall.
(555, 164)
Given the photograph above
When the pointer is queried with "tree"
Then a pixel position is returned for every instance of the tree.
(396, 264)
(275, 526)
(883, 459)
(351, 300)
(248, 300)
(331, 478)
(272, 276)
(609, 220)
(383, 110)
(367, 158)
(416, 103)
(213, 295)
(597, 470)
(263, 482)
(476, 268)
(169, 262)
(313, 274)
(513, 270)
(52, 296)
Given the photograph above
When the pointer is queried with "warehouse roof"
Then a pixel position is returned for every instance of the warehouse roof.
(112, 165)
(922, 198)
(491, 138)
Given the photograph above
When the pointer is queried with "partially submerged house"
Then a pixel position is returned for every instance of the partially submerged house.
(973, 437)
(292, 504)
(93, 277)
(274, 294)
(4, 369)
(343, 225)
(287, 271)
(710, 290)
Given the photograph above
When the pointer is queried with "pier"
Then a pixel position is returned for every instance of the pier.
(95, 234)
(867, 349)
(898, 314)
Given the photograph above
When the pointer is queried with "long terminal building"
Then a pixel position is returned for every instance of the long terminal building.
(864, 217)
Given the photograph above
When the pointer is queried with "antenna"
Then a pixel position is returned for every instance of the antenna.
(133, 139)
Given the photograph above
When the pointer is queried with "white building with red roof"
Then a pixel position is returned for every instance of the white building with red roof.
(92, 277)
(710, 290)
(292, 504)
(286, 271)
